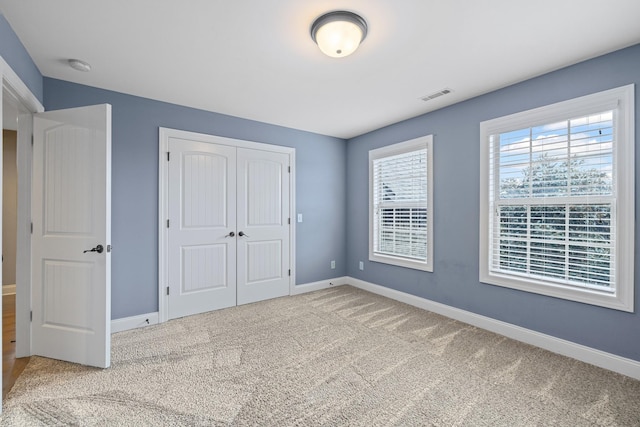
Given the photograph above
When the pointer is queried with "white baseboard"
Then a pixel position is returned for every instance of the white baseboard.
(133, 322)
(142, 320)
(580, 352)
(316, 286)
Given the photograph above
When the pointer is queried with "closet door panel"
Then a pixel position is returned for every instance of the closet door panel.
(263, 225)
(202, 217)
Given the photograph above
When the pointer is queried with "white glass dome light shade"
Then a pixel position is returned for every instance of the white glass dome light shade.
(338, 34)
(338, 38)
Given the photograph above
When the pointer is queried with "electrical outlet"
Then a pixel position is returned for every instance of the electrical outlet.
(333, 265)
(361, 266)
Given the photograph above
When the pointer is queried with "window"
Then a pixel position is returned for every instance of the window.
(557, 200)
(400, 204)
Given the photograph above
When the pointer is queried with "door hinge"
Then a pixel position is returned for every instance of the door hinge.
(108, 248)
(32, 228)
(289, 169)
(167, 290)
(32, 140)
(289, 272)
(288, 220)
(168, 156)
(31, 316)
(167, 223)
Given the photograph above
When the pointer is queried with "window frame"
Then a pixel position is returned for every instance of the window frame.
(424, 142)
(621, 101)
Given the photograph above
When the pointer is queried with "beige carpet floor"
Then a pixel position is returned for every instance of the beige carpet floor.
(335, 357)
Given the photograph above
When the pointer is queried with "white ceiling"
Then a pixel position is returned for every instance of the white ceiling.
(255, 59)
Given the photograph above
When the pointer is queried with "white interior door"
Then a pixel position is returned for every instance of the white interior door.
(263, 225)
(202, 221)
(71, 214)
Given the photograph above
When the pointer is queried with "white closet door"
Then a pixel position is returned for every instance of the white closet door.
(263, 228)
(202, 225)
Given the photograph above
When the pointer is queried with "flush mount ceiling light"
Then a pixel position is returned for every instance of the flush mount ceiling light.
(79, 65)
(339, 33)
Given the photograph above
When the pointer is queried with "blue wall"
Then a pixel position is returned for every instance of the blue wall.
(14, 53)
(320, 190)
(454, 280)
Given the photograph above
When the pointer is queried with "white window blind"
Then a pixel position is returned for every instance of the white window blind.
(554, 204)
(400, 205)
(557, 199)
(400, 210)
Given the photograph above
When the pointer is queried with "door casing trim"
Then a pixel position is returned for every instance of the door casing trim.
(27, 103)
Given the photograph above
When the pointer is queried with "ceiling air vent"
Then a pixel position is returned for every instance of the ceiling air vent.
(436, 95)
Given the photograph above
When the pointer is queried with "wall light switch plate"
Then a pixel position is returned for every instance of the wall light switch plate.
(333, 265)
(361, 266)
(299, 217)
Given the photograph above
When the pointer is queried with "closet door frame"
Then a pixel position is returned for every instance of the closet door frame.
(165, 135)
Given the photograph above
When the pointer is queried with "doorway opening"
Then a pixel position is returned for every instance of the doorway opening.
(12, 367)
(18, 102)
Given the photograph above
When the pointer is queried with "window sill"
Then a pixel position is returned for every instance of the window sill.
(612, 300)
(401, 262)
